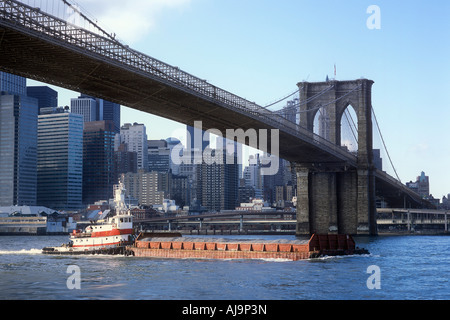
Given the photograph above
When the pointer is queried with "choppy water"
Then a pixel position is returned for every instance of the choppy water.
(411, 267)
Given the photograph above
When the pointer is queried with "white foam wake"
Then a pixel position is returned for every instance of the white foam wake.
(23, 251)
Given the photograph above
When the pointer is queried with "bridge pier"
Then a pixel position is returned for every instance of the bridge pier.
(335, 201)
(334, 197)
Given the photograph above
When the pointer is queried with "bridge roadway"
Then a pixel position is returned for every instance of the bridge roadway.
(427, 221)
(222, 214)
(273, 213)
(39, 46)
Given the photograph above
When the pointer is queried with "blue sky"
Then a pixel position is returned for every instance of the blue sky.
(260, 50)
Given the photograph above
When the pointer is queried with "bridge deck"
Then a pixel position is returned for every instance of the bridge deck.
(42, 47)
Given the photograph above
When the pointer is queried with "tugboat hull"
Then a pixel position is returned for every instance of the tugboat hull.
(121, 250)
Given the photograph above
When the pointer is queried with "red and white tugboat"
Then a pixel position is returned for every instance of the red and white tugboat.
(109, 236)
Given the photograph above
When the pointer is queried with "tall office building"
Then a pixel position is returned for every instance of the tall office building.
(60, 160)
(144, 186)
(96, 109)
(202, 136)
(421, 185)
(98, 161)
(124, 160)
(158, 156)
(135, 136)
(111, 112)
(46, 96)
(219, 182)
(289, 112)
(13, 84)
(253, 177)
(85, 106)
(18, 142)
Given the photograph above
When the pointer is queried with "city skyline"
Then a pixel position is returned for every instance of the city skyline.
(406, 58)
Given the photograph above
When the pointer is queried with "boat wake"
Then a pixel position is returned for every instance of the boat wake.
(23, 251)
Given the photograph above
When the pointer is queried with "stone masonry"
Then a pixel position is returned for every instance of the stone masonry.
(334, 198)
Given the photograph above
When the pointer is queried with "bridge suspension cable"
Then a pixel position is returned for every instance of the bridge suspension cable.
(384, 145)
(300, 103)
(331, 102)
(76, 8)
(282, 99)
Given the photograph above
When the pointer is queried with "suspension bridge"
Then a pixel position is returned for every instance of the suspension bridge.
(57, 43)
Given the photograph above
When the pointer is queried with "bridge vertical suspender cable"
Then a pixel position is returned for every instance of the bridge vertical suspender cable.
(384, 144)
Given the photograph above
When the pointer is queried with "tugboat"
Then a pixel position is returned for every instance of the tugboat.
(110, 236)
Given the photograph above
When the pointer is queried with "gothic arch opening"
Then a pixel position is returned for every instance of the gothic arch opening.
(321, 124)
(349, 129)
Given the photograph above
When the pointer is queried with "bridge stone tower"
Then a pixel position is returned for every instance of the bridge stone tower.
(334, 197)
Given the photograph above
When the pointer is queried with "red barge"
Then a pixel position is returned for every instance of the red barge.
(174, 246)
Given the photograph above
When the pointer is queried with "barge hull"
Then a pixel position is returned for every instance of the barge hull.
(186, 248)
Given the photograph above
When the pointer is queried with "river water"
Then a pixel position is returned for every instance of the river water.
(406, 267)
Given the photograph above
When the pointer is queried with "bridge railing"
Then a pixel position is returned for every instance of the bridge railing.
(27, 18)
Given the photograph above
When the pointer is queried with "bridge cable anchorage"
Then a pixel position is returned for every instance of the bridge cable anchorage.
(384, 144)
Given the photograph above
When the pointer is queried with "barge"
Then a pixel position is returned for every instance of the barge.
(147, 245)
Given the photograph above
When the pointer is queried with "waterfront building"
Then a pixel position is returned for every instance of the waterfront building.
(98, 161)
(18, 142)
(60, 160)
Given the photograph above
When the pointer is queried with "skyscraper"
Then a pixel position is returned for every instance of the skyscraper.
(111, 111)
(144, 186)
(96, 109)
(253, 177)
(135, 136)
(18, 148)
(158, 156)
(47, 97)
(85, 106)
(202, 136)
(421, 186)
(98, 161)
(60, 160)
(219, 181)
(13, 84)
